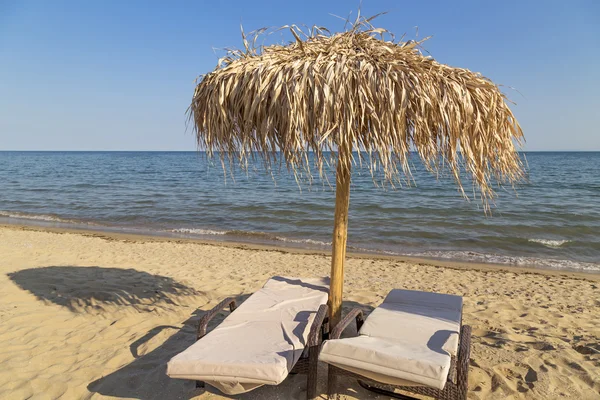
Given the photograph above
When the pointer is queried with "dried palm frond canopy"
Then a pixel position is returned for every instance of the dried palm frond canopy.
(356, 91)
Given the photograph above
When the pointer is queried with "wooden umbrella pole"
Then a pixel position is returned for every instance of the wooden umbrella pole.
(340, 230)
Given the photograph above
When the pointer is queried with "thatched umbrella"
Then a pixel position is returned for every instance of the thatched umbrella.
(362, 91)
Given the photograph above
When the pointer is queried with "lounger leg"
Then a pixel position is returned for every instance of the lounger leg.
(331, 383)
(462, 368)
(200, 385)
(313, 358)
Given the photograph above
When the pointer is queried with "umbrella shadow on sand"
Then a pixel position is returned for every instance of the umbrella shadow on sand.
(100, 291)
(97, 289)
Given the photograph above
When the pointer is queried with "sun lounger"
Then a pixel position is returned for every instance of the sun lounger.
(276, 331)
(410, 342)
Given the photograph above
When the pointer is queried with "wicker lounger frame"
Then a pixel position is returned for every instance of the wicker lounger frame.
(455, 389)
(308, 362)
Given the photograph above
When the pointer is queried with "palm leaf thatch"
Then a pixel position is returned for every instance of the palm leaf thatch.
(356, 90)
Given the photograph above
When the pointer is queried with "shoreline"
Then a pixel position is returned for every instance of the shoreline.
(421, 261)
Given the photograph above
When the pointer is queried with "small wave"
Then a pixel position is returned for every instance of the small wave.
(518, 261)
(307, 241)
(550, 243)
(37, 217)
(250, 234)
(199, 231)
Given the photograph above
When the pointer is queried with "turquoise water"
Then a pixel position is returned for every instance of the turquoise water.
(553, 223)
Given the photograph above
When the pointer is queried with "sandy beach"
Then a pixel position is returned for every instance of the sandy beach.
(90, 315)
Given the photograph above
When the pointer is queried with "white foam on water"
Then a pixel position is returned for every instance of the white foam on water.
(256, 235)
(199, 231)
(37, 217)
(307, 241)
(550, 243)
(518, 261)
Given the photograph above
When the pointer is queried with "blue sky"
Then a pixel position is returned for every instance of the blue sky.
(118, 75)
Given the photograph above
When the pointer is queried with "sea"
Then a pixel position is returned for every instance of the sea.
(551, 221)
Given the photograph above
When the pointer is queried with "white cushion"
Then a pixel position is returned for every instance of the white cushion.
(260, 342)
(407, 340)
(420, 318)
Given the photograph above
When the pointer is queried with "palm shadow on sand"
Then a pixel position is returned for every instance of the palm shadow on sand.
(100, 291)
(96, 289)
